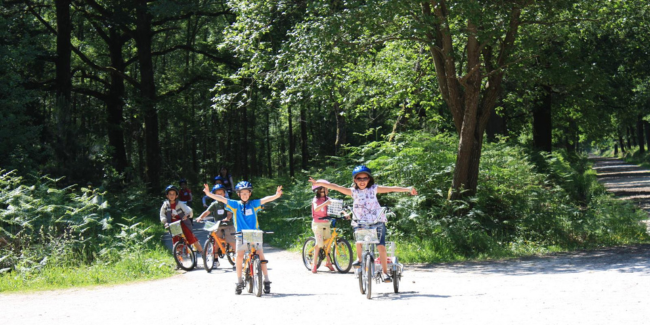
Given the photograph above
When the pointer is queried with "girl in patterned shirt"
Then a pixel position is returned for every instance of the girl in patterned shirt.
(366, 207)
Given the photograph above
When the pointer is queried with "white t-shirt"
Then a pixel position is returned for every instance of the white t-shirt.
(365, 206)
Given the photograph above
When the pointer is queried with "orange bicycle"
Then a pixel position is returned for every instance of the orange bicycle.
(216, 247)
(252, 266)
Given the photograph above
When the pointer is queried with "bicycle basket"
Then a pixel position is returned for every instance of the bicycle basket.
(366, 236)
(335, 208)
(175, 228)
(211, 226)
(252, 236)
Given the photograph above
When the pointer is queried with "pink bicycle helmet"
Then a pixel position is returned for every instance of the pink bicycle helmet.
(315, 187)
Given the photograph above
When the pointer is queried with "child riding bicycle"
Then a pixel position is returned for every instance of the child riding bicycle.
(174, 210)
(219, 212)
(321, 228)
(245, 217)
(366, 207)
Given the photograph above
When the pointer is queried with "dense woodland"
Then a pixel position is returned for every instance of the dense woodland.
(483, 106)
(117, 92)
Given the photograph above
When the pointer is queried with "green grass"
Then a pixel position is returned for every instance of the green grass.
(152, 264)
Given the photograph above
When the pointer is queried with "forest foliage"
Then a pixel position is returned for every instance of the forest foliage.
(493, 100)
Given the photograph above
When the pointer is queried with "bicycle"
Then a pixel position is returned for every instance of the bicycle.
(184, 254)
(370, 266)
(216, 247)
(252, 264)
(342, 251)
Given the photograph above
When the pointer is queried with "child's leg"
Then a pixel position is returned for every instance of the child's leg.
(238, 263)
(198, 247)
(382, 257)
(359, 251)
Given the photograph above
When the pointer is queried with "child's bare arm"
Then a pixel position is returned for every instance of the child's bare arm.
(391, 189)
(209, 194)
(332, 186)
(203, 215)
(278, 194)
(316, 207)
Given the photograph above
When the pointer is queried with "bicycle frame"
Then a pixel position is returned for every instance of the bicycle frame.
(327, 245)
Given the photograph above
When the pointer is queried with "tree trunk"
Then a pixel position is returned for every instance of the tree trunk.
(292, 146)
(646, 129)
(268, 144)
(148, 95)
(341, 135)
(115, 103)
(629, 138)
(63, 83)
(615, 149)
(470, 106)
(496, 126)
(304, 149)
(621, 142)
(542, 122)
(633, 135)
(640, 133)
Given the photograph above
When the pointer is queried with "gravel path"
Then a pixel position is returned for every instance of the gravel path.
(608, 286)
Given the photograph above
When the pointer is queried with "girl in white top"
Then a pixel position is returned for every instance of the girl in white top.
(366, 207)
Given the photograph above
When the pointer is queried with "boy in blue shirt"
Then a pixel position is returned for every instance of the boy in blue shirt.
(244, 214)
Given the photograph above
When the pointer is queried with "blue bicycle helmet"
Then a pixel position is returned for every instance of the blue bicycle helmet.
(218, 187)
(218, 178)
(171, 188)
(243, 185)
(361, 169)
(183, 180)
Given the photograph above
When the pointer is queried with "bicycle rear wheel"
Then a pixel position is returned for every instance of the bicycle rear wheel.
(208, 254)
(396, 277)
(257, 276)
(184, 255)
(342, 252)
(308, 253)
(368, 270)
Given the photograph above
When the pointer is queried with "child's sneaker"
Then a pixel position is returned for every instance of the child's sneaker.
(267, 286)
(387, 278)
(239, 288)
(329, 266)
(314, 268)
(356, 264)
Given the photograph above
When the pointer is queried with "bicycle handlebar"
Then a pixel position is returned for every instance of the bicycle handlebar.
(239, 232)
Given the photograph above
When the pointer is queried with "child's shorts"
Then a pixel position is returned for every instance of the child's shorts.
(321, 232)
(226, 233)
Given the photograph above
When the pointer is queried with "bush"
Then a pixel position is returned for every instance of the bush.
(526, 203)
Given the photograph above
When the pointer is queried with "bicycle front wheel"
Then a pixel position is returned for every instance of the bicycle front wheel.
(257, 276)
(184, 255)
(308, 253)
(208, 255)
(342, 255)
(230, 254)
(249, 275)
(368, 270)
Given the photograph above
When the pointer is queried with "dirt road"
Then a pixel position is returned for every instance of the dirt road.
(602, 287)
(609, 286)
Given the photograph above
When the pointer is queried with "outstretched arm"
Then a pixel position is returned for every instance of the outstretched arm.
(331, 186)
(219, 198)
(390, 189)
(278, 194)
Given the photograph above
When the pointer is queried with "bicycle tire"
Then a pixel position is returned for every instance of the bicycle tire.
(257, 276)
(184, 255)
(308, 253)
(230, 254)
(368, 267)
(396, 277)
(249, 276)
(362, 276)
(342, 252)
(208, 255)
